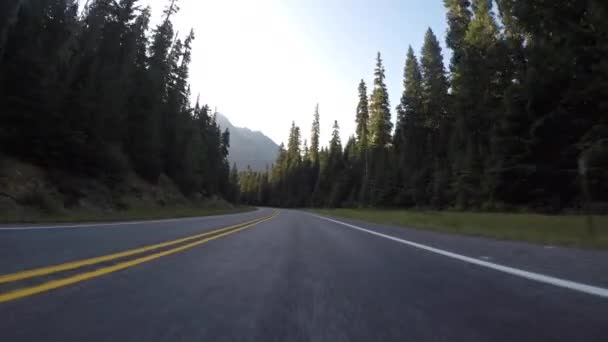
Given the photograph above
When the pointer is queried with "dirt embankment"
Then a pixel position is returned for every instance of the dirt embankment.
(29, 193)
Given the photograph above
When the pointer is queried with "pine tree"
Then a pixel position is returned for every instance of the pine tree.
(476, 91)
(362, 131)
(234, 183)
(410, 137)
(224, 165)
(461, 145)
(380, 116)
(333, 183)
(177, 116)
(410, 105)
(351, 153)
(314, 138)
(305, 151)
(294, 177)
(362, 117)
(315, 157)
(438, 125)
(434, 82)
(458, 17)
(141, 141)
(170, 109)
(335, 144)
(558, 92)
(38, 43)
(483, 77)
(294, 155)
(378, 178)
(352, 173)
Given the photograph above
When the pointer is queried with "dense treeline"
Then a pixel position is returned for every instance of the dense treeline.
(519, 118)
(97, 93)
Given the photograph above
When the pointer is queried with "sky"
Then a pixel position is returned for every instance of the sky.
(266, 63)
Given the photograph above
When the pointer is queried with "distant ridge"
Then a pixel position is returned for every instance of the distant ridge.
(248, 147)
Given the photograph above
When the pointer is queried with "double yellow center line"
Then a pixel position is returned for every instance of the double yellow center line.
(194, 240)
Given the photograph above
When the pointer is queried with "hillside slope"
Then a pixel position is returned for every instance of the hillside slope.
(248, 147)
(31, 193)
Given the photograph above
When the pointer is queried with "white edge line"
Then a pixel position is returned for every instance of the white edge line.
(568, 284)
(118, 223)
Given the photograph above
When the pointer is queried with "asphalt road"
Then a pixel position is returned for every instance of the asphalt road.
(297, 277)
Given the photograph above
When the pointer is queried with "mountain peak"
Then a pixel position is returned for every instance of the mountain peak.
(248, 147)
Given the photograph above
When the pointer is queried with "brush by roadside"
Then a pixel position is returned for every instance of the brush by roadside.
(565, 230)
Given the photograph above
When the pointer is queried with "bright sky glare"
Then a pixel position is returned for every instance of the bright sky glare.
(265, 63)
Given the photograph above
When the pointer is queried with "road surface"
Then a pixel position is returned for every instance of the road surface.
(291, 276)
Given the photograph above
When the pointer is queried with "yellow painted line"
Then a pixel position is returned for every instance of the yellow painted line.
(25, 292)
(92, 261)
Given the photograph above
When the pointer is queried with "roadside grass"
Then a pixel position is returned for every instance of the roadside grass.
(564, 230)
(134, 213)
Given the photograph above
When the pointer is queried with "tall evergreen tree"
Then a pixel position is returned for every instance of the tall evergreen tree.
(314, 137)
(436, 121)
(36, 57)
(459, 17)
(378, 182)
(294, 154)
(380, 116)
(434, 82)
(315, 156)
(305, 151)
(410, 104)
(335, 144)
(562, 86)
(362, 131)
(333, 176)
(155, 96)
(362, 117)
(410, 133)
(483, 77)
(141, 140)
(234, 183)
(476, 92)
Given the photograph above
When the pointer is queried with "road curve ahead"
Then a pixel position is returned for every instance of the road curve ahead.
(292, 276)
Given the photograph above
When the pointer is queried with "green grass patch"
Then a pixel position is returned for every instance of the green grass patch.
(134, 213)
(565, 230)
